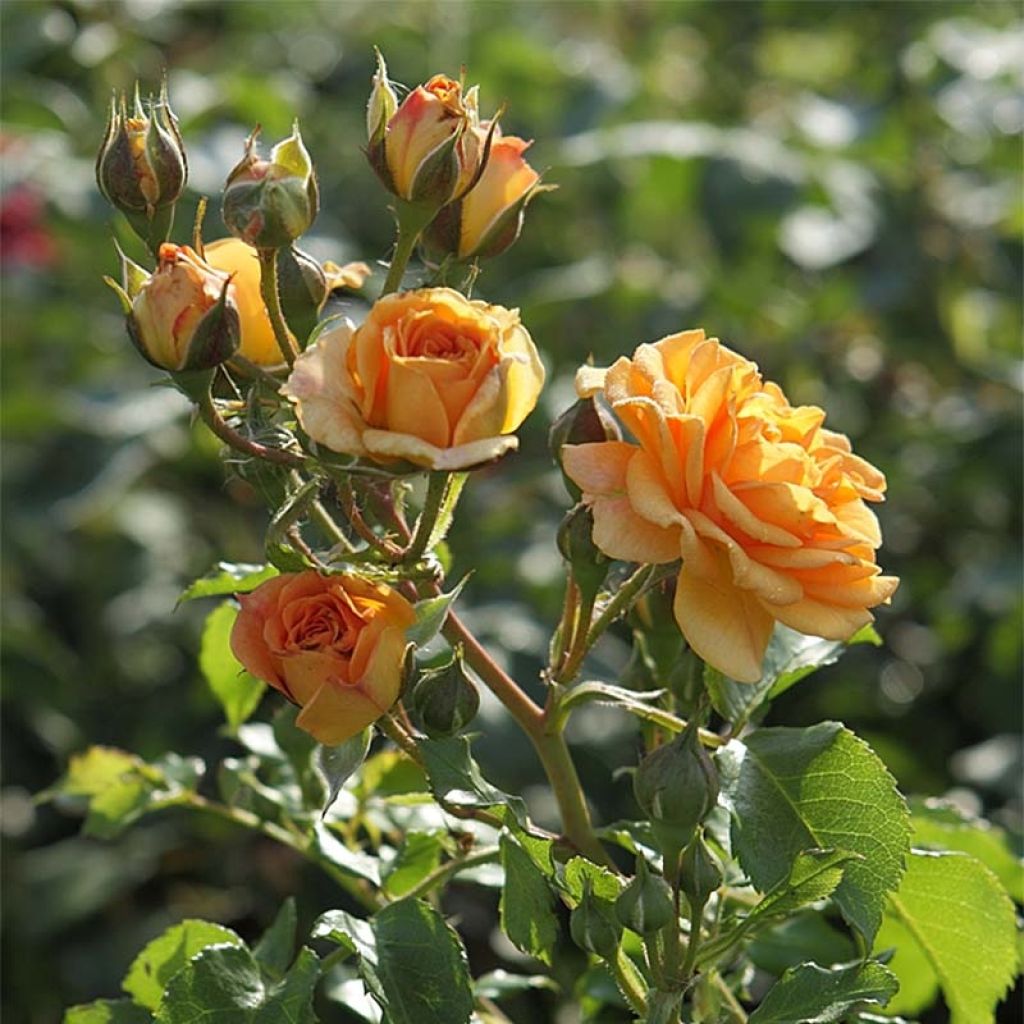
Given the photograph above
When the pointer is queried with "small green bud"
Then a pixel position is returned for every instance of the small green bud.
(575, 542)
(677, 786)
(444, 700)
(270, 203)
(699, 873)
(302, 285)
(646, 904)
(594, 926)
(584, 422)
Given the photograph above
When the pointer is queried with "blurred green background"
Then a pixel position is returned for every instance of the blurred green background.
(832, 188)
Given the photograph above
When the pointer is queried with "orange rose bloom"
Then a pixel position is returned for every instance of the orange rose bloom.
(765, 506)
(429, 377)
(334, 645)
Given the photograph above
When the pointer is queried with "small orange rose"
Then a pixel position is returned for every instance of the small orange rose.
(334, 645)
(764, 505)
(429, 377)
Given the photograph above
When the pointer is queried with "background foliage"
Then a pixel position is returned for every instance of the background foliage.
(833, 189)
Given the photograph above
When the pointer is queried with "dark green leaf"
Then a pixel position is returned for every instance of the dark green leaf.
(455, 777)
(228, 578)
(236, 690)
(107, 1011)
(430, 615)
(819, 995)
(814, 875)
(277, 944)
(799, 938)
(528, 903)
(167, 954)
(793, 789)
(953, 927)
(336, 764)
(412, 962)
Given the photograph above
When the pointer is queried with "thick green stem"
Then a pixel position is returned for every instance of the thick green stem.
(272, 300)
(412, 220)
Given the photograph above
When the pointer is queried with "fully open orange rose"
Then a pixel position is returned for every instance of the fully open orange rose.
(334, 645)
(429, 377)
(765, 506)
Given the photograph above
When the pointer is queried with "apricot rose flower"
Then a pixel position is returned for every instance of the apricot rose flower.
(430, 377)
(764, 505)
(334, 645)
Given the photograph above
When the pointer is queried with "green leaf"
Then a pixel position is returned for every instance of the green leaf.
(790, 657)
(121, 787)
(430, 615)
(336, 764)
(455, 777)
(527, 906)
(579, 872)
(228, 578)
(940, 825)
(818, 995)
(412, 962)
(953, 927)
(223, 985)
(107, 1011)
(418, 855)
(352, 862)
(801, 937)
(790, 790)
(299, 747)
(498, 984)
(635, 702)
(275, 948)
(236, 690)
(167, 954)
(814, 875)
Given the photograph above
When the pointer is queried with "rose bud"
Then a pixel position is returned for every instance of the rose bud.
(141, 168)
(589, 565)
(677, 787)
(488, 218)
(430, 148)
(184, 315)
(270, 203)
(584, 422)
(444, 700)
(334, 645)
(699, 873)
(646, 904)
(429, 377)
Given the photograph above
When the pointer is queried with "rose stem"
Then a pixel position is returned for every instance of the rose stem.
(231, 437)
(437, 489)
(272, 300)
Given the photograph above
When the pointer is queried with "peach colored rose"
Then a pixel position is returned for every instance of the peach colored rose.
(184, 315)
(429, 377)
(488, 219)
(334, 645)
(426, 149)
(765, 506)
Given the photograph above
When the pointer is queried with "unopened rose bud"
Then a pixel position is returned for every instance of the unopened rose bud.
(699, 873)
(141, 168)
(431, 148)
(584, 422)
(588, 564)
(677, 786)
(302, 286)
(183, 316)
(594, 926)
(646, 904)
(270, 203)
(488, 218)
(444, 700)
